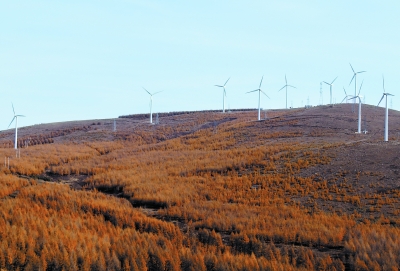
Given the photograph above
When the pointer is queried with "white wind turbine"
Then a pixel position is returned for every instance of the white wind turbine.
(259, 96)
(16, 127)
(359, 107)
(345, 97)
(223, 94)
(286, 86)
(151, 103)
(385, 94)
(330, 87)
(355, 81)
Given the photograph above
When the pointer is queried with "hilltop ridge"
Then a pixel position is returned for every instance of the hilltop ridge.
(339, 118)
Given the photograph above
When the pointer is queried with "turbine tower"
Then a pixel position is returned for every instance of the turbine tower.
(355, 82)
(359, 108)
(16, 127)
(223, 94)
(321, 96)
(345, 97)
(259, 96)
(385, 94)
(286, 86)
(151, 103)
(330, 87)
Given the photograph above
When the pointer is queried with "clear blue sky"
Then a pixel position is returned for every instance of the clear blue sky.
(70, 60)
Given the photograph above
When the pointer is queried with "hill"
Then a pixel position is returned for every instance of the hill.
(299, 190)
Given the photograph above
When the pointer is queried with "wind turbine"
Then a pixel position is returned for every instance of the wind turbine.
(223, 94)
(346, 97)
(359, 108)
(286, 86)
(259, 96)
(16, 127)
(330, 87)
(355, 82)
(151, 103)
(385, 94)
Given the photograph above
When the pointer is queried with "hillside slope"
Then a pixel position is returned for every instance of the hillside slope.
(299, 190)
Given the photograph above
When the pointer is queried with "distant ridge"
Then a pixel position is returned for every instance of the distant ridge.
(168, 114)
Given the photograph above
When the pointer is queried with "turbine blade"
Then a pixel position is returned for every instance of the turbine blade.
(344, 91)
(327, 83)
(11, 122)
(291, 86)
(343, 99)
(157, 92)
(285, 79)
(352, 79)
(352, 68)
(361, 71)
(389, 94)
(261, 81)
(383, 79)
(265, 94)
(252, 91)
(282, 88)
(334, 80)
(13, 108)
(381, 99)
(219, 86)
(360, 88)
(227, 81)
(20, 116)
(147, 91)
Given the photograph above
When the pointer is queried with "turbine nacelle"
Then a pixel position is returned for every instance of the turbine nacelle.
(386, 132)
(384, 91)
(346, 96)
(355, 97)
(16, 126)
(151, 102)
(15, 117)
(259, 89)
(152, 94)
(331, 84)
(358, 95)
(223, 86)
(224, 94)
(383, 96)
(286, 86)
(354, 74)
(259, 95)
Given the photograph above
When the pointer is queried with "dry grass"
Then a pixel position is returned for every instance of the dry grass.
(202, 191)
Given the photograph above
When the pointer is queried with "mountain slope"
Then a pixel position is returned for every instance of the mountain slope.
(204, 190)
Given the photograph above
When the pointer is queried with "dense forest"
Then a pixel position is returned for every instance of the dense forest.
(202, 191)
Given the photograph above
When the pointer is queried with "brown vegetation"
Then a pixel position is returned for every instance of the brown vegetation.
(200, 191)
